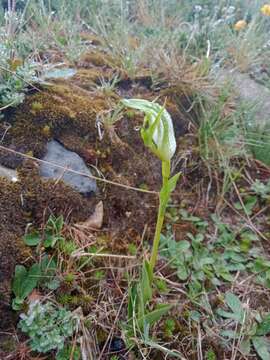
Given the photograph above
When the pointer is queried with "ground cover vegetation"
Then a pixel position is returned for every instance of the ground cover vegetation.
(170, 258)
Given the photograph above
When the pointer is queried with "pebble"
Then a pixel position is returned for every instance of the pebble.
(9, 174)
(58, 154)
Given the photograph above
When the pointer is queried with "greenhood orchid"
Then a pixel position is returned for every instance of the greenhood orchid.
(157, 131)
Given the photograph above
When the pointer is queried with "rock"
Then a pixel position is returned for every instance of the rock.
(251, 91)
(63, 73)
(57, 154)
(9, 174)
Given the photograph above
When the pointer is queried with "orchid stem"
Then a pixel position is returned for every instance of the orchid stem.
(163, 201)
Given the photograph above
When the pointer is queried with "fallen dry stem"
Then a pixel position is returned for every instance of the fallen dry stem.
(78, 172)
(80, 254)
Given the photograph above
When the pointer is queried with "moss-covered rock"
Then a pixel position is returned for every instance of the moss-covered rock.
(96, 58)
(57, 110)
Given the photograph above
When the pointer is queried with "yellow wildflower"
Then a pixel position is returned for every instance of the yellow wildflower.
(265, 9)
(240, 25)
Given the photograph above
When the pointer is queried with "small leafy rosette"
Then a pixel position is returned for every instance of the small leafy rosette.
(157, 131)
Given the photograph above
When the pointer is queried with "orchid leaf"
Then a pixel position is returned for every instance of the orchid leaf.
(146, 282)
(154, 316)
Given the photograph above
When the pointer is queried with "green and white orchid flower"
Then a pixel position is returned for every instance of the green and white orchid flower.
(157, 131)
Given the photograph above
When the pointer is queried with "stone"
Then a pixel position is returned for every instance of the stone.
(8, 174)
(250, 91)
(58, 154)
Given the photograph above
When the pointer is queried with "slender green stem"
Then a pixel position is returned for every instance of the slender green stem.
(166, 169)
(159, 225)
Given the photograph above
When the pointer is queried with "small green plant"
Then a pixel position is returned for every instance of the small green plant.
(50, 236)
(67, 352)
(69, 278)
(48, 268)
(247, 326)
(106, 120)
(200, 263)
(219, 135)
(15, 77)
(132, 249)
(48, 326)
(205, 264)
(261, 189)
(99, 275)
(259, 142)
(200, 224)
(210, 355)
(261, 268)
(107, 86)
(67, 246)
(161, 285)
(24, 283)
(249, 203)
(169, 327)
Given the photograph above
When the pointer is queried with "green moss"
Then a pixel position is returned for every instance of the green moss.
(46, 131)
(132, 249)
(65, 299)
(41, 194)
(69, 278)
(64, 111)
(96, 58)
(8, 345)
(87, 78)
(37, 106)
(72, 301)
(99, 275)
(101, 335)
(67, 247)
(169, 327)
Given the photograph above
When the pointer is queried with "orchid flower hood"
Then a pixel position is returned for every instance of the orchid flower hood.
(157, 131)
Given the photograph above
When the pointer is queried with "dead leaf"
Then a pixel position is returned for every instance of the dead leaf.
(95, 220)
(34, 296)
